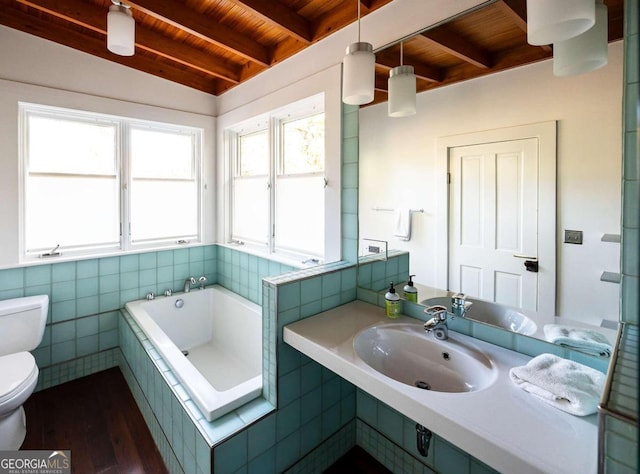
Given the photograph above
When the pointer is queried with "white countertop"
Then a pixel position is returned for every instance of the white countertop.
(502, 425)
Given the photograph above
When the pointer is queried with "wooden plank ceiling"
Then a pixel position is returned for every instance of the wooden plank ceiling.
(213, 45)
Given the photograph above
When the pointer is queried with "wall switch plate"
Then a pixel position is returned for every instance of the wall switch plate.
(573, 237)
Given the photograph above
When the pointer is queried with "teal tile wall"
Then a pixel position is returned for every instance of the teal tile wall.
(314, 405)
(631, 168)
(390, 437)
(618, 446)
(350, 147)
(85, 296)
(242, 272)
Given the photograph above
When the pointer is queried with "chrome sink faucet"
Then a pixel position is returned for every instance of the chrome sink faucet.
(187, 284)
(459, 305)
(438, 322)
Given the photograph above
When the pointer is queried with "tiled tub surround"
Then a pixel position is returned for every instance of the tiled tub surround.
(183, 435)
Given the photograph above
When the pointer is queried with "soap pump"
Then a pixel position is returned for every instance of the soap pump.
(410, 291)
(392, 302)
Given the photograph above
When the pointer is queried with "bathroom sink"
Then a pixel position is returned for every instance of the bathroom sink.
(492, 313)
(407, 354)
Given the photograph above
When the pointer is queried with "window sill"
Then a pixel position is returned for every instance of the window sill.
(276, 257)
(77, 256)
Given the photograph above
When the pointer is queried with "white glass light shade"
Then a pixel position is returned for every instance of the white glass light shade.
(402, 91)
(121, 31)
(358, 74)
(552, 21)
(586, 52)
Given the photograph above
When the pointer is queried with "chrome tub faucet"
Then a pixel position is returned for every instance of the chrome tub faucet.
(187, 284)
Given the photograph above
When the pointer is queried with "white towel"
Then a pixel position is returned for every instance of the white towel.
(583, 340)
(564, 384)
(403, 224)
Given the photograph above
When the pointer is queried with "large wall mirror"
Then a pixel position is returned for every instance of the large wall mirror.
(481, 86)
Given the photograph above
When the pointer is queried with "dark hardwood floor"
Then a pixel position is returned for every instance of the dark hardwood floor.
(97, 419)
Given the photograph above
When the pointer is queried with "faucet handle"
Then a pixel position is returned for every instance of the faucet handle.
(202, 280)
(437, 311)
(458, 298)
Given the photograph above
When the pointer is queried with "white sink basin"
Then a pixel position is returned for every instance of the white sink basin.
(406, 353)
(492, 313)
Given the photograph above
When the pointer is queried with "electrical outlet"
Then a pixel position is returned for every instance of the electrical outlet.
(573, 237)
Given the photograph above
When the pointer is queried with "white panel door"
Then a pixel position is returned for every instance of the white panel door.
(494, 221)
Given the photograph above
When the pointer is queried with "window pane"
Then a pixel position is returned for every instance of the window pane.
(250, 210)
(300, 214)
(253, 154)
(71, 211)
(162, 154)
(61, 145)
(163, 210)
(303, 145)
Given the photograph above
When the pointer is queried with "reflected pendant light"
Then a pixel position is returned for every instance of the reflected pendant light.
(121, 29)
(358, 71)
(402, 90)
(586, 52)
(552, 21)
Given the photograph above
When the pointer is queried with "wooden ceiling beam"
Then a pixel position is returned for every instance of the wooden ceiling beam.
(421, 70)
(17, 19)
(178, 16)
(94, 18)
(516, 10)
(280, 16)
(448, 40)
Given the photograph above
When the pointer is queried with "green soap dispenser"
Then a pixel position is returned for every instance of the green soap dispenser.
(392, 302)
(410, 291)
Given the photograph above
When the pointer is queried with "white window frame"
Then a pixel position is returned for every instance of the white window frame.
(273, 122)
(123, 161)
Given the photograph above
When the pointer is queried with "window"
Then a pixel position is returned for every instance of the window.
(87, 177)
(278, 182)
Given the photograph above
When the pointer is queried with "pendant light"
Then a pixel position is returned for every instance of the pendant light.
(402, 90)
(552, 21)
(358, 71)
(121, 29)
(586, 52)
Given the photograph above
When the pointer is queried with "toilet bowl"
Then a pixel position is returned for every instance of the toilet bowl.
(19, 377)
(22, 322)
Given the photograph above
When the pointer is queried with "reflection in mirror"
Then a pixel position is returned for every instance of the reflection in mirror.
(407, 163)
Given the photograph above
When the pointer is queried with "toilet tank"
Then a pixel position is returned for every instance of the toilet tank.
(22, 322)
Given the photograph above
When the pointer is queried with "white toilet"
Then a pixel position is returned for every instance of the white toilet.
(22, 322)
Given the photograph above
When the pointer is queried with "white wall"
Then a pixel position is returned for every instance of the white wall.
(39, 71)
(398, 156)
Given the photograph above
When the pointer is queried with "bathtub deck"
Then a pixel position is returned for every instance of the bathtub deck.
(221, 370)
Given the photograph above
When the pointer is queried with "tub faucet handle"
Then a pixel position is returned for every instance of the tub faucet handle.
(168, 292)
(151, 296)
(203, 281)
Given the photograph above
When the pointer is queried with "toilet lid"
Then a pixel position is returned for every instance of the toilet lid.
(17, 371)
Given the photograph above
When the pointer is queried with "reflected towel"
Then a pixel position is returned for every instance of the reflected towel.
(564, 384)
(583, 340)
(403, 224)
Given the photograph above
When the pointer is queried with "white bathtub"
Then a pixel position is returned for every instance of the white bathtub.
(222, 333)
